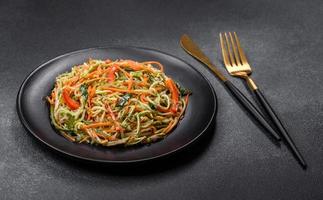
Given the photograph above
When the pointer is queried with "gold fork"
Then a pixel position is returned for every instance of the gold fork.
(237, 65)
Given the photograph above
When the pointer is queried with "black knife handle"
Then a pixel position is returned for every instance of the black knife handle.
(250, 108)
(264, 103)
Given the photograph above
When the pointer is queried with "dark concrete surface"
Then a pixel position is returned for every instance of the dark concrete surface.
(283, 40)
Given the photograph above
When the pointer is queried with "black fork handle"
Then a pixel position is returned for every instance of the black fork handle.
(264, 103)
(244, 101)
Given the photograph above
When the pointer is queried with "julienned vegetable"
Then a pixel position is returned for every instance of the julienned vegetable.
(174, 94)
(116, 102)
(71, 103)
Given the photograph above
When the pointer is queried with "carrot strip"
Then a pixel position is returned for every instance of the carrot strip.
(110, 112)
(159, 88)
(143, 98)
(72, 81)
(110, 130)
(99, 124)
(132, 64)
(174, 93)
(91, 75)
(117, 124)
(125, 90)
(161, 68)
(130, 83)
(91, 93)
(144, 82)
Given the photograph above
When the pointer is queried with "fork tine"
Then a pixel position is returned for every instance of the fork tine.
(234, 48)
(224, 52)
(241, 52)
(229, 50)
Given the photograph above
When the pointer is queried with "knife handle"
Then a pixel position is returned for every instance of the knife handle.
(244, 101)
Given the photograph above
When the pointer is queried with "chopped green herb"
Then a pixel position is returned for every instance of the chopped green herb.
(70, 122)
(71, 132)
(152, 106)
(136, 74)
(151, 78)
(83, 89)
(183, 91)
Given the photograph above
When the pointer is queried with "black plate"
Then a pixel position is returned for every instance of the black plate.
(34, 113)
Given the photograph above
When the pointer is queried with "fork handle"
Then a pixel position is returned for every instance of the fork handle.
(250, 108)
(264, 103)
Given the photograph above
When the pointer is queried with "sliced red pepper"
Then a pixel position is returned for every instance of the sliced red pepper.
(111, 75)
(174, 94)
(71, 103)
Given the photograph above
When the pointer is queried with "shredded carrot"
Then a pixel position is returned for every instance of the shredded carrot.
(91, 75)
(125, 90)
(109, 130)
(130, 82)
(99, 124)
(143, 98)
(159, 88)
(72, 81)
(161, 68)
(110, 112)
(91, 93)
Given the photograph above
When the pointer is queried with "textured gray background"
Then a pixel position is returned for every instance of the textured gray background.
(283, 40)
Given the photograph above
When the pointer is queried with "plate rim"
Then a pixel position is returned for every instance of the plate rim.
(34, 71)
